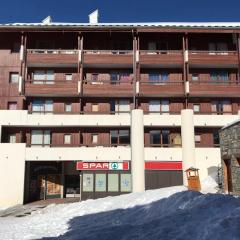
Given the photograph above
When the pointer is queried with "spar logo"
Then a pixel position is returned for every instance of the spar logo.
(114, 166)
(102, 166)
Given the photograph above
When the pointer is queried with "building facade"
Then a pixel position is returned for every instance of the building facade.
(69, 93)
(230, 152)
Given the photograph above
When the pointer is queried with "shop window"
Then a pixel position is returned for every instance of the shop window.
(100, 182)
(87, 182)
(67, 139)
(68, 107)
(113, 182)
(126, 185)
(13, 77)
(68, 77)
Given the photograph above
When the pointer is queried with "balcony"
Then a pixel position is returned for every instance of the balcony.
(103, 58)
(51, 88)
(161, 88)
(108, 88)
(213, 58)
(219, 88)
(52, 58)
(168, 58)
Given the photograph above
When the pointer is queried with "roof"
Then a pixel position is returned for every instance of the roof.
(231, 124)
(143, 24)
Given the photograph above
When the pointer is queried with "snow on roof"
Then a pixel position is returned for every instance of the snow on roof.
(231, 124)
(143, 24)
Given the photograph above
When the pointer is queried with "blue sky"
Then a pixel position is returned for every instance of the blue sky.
(120, 10)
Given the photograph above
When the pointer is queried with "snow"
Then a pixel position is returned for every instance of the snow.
(167, 213)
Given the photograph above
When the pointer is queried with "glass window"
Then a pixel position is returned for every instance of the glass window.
(87, 182)
(39, 76)
(68, 77)
(67, 139)
(48, 105)
(124, 106)
(94, 77)
(154, 106)
(49, 76)
(164, 76)
(112, 182)
(94, 138)
(12, 138)
(213, 76)
(36, 137)
(114, 137)
(114, 78)
(197, 138)
(223, 75)
(216, 140)
(165, 107)
(47, 138)
(112, 105)
(68, 107)
(14, 77)
(12, 105)
(124, 137)
(126, 185)
(154, 78)
(195, 77)
(100, 182)
(155, 137)
(165, 137)
(95, 107)
(196, 108)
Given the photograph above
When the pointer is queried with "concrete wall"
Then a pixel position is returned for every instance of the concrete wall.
(12, 171)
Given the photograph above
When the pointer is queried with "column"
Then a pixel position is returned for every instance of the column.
(137, 151)
(188, 141)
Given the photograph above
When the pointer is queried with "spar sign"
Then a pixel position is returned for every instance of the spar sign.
(93, 166)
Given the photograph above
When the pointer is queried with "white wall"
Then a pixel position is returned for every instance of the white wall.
(12, 170)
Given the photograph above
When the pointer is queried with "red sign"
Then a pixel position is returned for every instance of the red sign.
(163, 165)
(93, 166)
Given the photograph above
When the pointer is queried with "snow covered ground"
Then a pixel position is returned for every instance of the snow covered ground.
(168, 213)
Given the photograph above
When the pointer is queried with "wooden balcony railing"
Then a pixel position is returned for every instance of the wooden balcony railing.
(52, 51)
(216, 82)
(108, 82)
(108, 52)
(162, 83)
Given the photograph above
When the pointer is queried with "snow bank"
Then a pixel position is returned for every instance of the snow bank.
(169, 213)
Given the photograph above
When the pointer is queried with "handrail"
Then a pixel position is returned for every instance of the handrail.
(111, 82)
(52, 51)
(171, 52)
(209, 52)
(160, 82)
(113, 52)
(32, 81)
(216, 82)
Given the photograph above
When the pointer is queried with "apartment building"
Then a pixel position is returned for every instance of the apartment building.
(80, 102)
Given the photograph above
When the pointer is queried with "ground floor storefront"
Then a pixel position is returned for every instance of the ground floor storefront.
(91, 180)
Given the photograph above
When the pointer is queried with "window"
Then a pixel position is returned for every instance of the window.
(13, 77)
(94, 138)
(113, 182)
(68, 77)
(12, 138)
(216, 140)
(219, 76)
(117, 77)
(159, 137)
(43, 77)
(95, 107)
(222, 107)
(195, 77)
(196, 108)
(126, 185)
(87, 182)
(12, 105)
(42, 107)
(100, 182)
(40, 137)
(158, 78)
(197, 138)
(120, 106)
(120, 137)
(159, 106)
(16, 47)
(219, 46)
(67, 139)
(68, 107)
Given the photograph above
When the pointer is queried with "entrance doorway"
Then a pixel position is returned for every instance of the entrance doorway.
(227, 175)
(49, 186)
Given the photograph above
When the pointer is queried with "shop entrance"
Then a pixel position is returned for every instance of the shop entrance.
(49, 186)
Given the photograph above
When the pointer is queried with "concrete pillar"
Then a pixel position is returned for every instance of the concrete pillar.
(188, 141)
(137, 151)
